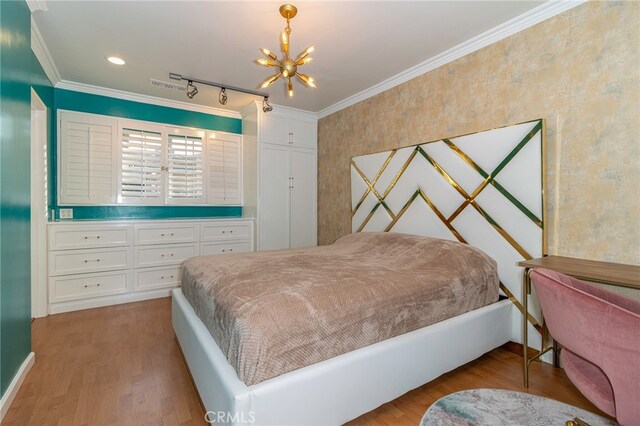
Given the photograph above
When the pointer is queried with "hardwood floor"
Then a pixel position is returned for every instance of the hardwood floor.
(120, 365)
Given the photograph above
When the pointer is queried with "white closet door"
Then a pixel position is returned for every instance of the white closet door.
(275, 129)
(303, 198)
(86, 164)
(303, 132)
(274, 198)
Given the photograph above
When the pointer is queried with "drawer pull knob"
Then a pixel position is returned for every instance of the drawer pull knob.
(87, 260)
(163, 277)
(172, 234)
(87, 285)
(97, 236)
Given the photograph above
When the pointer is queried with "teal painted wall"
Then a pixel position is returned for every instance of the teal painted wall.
(16, 62)
(77, 101)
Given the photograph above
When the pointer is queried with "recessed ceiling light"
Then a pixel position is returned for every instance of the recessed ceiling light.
(115, 60)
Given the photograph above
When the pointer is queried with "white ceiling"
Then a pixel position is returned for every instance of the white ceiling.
(358, 44)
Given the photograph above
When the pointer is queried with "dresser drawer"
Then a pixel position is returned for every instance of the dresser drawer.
(154, 278)
(231, 231)
(165, 233)
(65, 288)
(90, 260)
(83, 236)
(164, 255)
(222, 248)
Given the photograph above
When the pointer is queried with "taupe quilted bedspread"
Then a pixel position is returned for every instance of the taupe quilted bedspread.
(276, 311)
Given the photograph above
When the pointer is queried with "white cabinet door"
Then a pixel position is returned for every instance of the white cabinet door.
(303, 198)
(303, 132)
(274, 129)
(274, 198)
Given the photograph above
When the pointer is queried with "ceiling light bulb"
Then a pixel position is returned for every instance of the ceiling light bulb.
(266, 62)
(309, 49)
(290, 91)
(268, 53)
(285, 41)
(115, 60)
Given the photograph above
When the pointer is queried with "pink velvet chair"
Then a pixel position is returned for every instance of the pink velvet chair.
(600, 334)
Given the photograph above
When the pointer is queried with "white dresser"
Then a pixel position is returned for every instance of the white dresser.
(100, 263)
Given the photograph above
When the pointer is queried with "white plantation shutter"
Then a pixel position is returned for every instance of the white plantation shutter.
(106, 160)
(223, 168)
(87, 159)
(185, 160)
(141, 166)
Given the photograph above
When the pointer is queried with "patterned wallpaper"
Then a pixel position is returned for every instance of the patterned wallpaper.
(579, 70)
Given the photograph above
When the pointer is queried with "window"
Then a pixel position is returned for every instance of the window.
(109, 161)
(185, 173)
(86, 159)
(224, 169)
(141, 166)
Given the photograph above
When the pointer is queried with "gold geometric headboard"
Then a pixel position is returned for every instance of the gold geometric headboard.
(484, 189)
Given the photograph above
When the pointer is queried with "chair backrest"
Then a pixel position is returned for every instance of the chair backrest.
(598, 325)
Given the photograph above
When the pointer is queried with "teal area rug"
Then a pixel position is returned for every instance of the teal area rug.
(501, 407)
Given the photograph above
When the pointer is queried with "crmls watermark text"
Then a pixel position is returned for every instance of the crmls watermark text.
(223, 417)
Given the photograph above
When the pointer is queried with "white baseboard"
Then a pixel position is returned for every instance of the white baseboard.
(15, 384)
(78, 305)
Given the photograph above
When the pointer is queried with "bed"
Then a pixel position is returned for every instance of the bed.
(323, 384)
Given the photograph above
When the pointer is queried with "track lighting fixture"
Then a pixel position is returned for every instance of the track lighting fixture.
(222, 97)
(265, 105)
(287, 67)
(192, 90)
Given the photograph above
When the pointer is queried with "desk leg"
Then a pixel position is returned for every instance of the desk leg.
(526, 288)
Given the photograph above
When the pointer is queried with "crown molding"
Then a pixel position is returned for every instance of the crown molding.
(35, 5)
(519, 23)
(41, 51)
(295, 112)
(136, 97)
(278, 109)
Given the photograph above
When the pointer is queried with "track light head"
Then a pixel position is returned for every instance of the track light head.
(265, 105)
(192, 90)
(222, 97)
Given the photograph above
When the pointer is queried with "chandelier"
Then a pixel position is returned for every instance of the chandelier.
(287, 67)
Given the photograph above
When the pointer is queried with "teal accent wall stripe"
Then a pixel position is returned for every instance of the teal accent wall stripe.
(153, 212)
(95, 104)
(16, 75)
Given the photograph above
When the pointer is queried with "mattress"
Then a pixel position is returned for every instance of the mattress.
(277, 311)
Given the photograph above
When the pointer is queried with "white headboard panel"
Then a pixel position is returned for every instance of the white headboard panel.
(484, 189)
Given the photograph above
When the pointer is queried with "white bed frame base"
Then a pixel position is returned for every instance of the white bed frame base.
(340, 389)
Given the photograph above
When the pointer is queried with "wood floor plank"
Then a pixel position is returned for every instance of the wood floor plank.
(120, 365)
